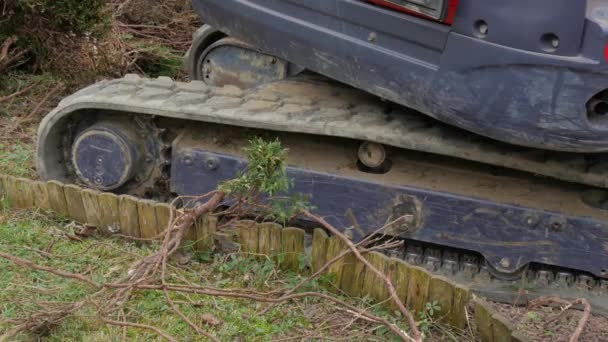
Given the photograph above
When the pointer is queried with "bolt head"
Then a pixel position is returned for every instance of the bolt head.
(483, 29)
(211, 163)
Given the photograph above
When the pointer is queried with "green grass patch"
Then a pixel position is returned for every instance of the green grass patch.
(17, 159)
(46, 241)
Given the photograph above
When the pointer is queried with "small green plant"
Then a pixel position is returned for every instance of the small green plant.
(253, 272)
(265, 174)
(266, 180)
(303, 262)
(547, 332)
(533, 316)
(425, 317)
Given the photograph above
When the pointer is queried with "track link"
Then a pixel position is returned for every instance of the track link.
(470, 269)
(321, 108)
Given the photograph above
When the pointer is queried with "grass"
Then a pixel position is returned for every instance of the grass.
(17, 159)
(24, 291)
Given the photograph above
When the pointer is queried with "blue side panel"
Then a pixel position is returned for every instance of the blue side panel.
(519, 24)
(508, 236)
(510, 84)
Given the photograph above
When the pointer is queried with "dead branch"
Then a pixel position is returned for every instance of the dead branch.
(65, 274)
(140, 326)
(58, 88)
(6, 45)
(42, 321)
(391, 288)
(6, 59)
(19, 92)
(260, 298)
(144, 270)
(14, 60)
(193, 289)
(546, 300)
(185, 318)
(366, 241)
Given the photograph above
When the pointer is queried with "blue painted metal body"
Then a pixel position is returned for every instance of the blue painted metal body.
(508, 236)
(510, 84)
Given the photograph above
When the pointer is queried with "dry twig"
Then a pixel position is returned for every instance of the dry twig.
(391, 288)
(58, 88)
(140, 326)
(65, 274)
(6, 59)
(567, 304)
(19, 92)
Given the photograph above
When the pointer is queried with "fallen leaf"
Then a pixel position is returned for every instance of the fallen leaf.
(210, 320)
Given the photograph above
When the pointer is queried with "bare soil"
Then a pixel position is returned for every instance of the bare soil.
(551, 324)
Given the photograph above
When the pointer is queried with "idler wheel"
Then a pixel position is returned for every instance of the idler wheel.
(106, 156)
(373, 158)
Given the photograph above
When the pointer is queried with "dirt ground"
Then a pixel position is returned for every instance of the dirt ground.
(550, 324)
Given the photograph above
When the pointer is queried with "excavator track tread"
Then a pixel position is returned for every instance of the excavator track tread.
(317, 107)
(471, 270)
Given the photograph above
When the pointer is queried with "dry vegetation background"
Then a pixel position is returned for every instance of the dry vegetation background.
(49, 48)
(79, 40)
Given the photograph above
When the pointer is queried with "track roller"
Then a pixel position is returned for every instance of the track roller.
(373, 157)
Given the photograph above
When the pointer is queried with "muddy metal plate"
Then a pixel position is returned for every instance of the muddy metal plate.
(226, 64)
(509, 237)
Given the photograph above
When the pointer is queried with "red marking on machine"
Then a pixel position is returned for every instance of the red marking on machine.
(401, 6)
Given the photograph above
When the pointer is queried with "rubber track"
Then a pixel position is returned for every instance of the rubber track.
(470, 270)
(320, 108)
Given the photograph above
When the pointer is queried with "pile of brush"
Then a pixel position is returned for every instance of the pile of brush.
(82, 40)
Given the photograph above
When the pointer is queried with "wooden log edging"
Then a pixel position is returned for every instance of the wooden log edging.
(139, 218)
(492, 326)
